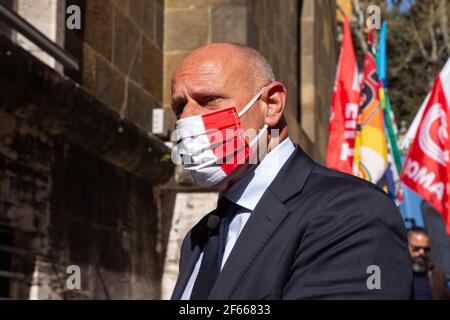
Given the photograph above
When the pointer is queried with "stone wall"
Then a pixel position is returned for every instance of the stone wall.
(67, 207)
(298, 38)
(77, 163)
(325, 62)
(4, 29)
(120, 49)
(45, 16)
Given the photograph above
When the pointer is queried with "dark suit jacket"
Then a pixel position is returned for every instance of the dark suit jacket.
(312, 235)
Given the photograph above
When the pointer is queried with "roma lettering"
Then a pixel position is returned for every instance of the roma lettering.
(425, 178)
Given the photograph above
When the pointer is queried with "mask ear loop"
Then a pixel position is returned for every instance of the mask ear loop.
(259, 135)
(251, 103)
(247, 107)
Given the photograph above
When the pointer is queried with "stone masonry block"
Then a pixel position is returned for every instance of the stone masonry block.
(125, 42)
(152, 68)
(98, 26)
(229, 24)
(185, 29)
(139, 106)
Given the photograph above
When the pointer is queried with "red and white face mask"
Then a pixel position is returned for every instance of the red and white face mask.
(213, 145)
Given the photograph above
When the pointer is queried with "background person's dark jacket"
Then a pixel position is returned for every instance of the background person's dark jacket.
(438, 283)
(312, 235)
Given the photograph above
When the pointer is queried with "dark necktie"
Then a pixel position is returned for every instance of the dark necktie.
(217, 224)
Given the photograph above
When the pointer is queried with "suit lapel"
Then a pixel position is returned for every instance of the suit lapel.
(264, 221)
(185, 273)
(190, 252)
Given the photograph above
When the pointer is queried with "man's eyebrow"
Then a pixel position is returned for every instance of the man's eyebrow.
(207, 91)
(199, 93)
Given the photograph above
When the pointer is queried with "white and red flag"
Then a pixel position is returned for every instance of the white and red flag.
(427, 166)
(344, 108)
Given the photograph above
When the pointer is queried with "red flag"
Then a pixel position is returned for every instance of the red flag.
(344, 108)
(427, 166)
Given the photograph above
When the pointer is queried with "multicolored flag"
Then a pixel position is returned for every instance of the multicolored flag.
(344, 109)
(370, 160)
(427, 166)
(392, 175)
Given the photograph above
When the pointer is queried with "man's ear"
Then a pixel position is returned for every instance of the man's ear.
(274, 97)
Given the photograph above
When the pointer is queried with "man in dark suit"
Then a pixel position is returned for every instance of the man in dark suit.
(285, 227)
(428, 276)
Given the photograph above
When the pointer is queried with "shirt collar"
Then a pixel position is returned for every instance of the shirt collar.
(248, 191)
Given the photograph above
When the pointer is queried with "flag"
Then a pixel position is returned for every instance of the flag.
(394, 156)
(344, 108)
(412, 130)
(427, 166)
(370, 160)
(411, 134)
(392, 175)
(381, 56)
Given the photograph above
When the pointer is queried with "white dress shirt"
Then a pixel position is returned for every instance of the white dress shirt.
(246, 193)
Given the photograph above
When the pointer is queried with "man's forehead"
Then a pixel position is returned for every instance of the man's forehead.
(416, 237)
(201, 71)
(206, 73)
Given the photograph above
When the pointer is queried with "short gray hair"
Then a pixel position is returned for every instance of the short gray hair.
(259, 66)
